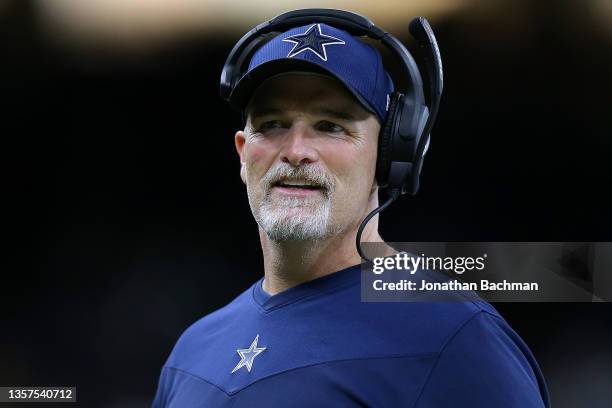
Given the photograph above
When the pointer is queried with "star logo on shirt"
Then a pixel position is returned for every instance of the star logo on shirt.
(248, 355)
(314, 40)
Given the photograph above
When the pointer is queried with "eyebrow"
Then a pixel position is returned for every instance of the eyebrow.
(334, 113)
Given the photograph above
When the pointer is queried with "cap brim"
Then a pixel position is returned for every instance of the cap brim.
(246, 86)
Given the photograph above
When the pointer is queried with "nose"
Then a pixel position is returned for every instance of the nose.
(298, 148)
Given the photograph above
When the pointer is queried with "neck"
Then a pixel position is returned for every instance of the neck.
(289, 263)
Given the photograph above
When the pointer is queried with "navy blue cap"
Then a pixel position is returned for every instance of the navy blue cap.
(324, 49)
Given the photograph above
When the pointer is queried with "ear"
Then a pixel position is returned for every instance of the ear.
(239, 141)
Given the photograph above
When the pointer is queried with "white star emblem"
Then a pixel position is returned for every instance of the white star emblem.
(313, 40)
(248, 355)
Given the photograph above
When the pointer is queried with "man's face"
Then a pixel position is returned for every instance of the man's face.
(308, 157)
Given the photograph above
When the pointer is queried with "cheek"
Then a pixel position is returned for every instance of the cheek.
(259, 158)
(354, 167)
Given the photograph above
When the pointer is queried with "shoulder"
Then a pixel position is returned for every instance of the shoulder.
(476, 356)
(485, 363)
(421, 326)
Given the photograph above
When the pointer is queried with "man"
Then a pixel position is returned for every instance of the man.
(300, 336)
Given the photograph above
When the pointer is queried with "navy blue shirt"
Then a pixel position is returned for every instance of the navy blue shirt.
(318, 345)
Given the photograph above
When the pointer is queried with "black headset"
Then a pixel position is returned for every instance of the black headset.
(404, 136)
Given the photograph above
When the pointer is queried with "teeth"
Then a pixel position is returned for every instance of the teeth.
(297, 183)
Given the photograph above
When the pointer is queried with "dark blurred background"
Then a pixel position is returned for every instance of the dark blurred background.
(127, 221)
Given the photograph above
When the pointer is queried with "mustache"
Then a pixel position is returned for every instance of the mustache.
(307, 173)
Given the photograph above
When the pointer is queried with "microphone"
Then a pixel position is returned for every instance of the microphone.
(421, 30)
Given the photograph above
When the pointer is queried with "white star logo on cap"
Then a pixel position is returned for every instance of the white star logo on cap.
(314, 40)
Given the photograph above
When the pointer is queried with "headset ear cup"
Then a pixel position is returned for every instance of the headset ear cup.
(384, 140)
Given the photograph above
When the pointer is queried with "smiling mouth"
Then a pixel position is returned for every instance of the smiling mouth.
(299, 188)
(298, 185)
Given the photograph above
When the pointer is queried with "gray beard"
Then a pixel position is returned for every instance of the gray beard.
(286, 218)
(294, 218)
